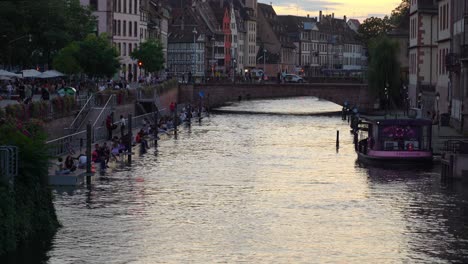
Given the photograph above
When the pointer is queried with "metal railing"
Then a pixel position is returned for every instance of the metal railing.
(456, 146)
(8, 163)
(75, 144)
(110, 102)
(72, 144)
(78, 121)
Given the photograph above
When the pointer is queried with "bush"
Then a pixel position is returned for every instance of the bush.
(26, 210)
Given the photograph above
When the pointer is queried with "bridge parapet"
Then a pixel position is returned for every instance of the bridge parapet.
(219, 94)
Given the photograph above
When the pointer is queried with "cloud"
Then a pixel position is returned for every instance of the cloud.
(359, 9)
(304, 6)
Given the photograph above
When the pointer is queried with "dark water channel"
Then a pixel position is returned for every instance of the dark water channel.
(262, 189)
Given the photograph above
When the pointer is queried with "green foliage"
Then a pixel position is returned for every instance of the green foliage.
(66, 60)
(97, 57)
(400, 15)
(52, 24)
(150, 53)
(373, 27)
(27, 210)
(384, 68)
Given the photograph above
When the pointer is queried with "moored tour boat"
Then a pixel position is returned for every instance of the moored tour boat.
(399, 140)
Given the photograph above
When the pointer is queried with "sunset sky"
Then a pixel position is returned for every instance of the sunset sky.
(360, 9)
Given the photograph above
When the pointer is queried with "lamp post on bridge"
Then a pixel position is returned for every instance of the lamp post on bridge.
(194, 54)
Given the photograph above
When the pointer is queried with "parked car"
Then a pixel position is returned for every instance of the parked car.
(293, 78)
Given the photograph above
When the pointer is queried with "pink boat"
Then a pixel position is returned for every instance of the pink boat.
(401, 140)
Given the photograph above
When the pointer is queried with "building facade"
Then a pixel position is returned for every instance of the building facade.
(423, 54)
(126, 25)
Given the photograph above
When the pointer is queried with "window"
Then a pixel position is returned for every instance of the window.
(125, 6)
(124, 49)
(93, 4)
(114, 27)
(130, 6)
(124, 30)
(118, 27)
(130, 28)
(135, 31)
(119, 6)
(129, 48)
(115, 5)
(136, 6)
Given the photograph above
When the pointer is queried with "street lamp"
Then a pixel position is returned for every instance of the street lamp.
(437, 104)
(213, 56)
(264, 69)
(194, 52)
(419, 100)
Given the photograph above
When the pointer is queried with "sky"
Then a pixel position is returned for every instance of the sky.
(359, 9)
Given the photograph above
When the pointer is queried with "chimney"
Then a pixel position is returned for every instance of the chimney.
(333, 15)
(320, 15)
(344, 17)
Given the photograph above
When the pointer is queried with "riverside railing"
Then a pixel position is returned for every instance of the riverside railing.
(78, 121)
(106, 110)
(73, 144)
(100, 133)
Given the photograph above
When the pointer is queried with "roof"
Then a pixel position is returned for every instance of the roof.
(276, 25)
(183, 21)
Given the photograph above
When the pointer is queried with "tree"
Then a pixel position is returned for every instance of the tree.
(150, 54)
(53, 24)
(66, 60)
(400, 15)
(384, 69)
(97, 57)
(373, 27)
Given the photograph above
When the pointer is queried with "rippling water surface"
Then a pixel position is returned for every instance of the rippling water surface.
(262, 189)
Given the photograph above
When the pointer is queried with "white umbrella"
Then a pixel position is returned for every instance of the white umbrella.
(50, 74)
(31, 73)
(7, 74)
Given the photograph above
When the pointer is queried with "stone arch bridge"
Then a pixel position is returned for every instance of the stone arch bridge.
(219, 94)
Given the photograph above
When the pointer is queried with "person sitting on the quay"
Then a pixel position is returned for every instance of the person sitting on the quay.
(115, 151)
(82, 160)
(140, 140)
(69, 163)
(182, 117)
(126, 141)
(61, 167)
(106, 153)
(95, 154)
(146, 126)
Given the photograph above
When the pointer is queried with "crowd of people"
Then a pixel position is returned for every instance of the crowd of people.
(121, 145)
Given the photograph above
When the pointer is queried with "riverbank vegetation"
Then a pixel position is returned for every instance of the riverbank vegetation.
(26, 207)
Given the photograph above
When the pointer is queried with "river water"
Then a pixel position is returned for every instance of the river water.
(262, 189)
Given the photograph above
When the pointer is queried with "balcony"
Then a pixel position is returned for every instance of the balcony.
(219, 56)
(426, 87)
(219, 43)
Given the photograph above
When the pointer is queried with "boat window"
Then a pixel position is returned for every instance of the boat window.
(397, 137)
